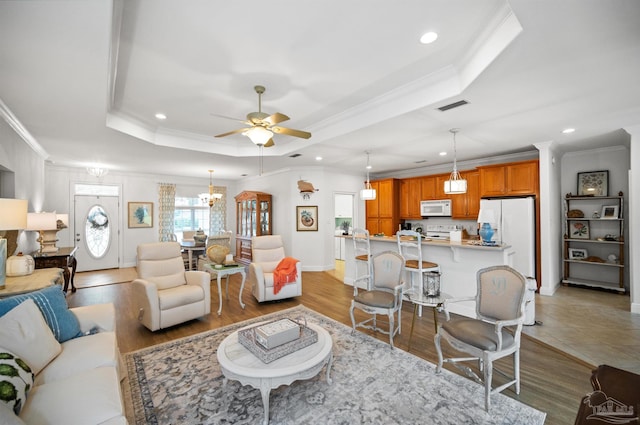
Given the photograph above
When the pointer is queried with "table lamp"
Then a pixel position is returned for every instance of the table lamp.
(13, 216)
(486, 218)
(45, 224)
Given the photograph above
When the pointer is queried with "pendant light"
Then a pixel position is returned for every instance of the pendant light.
(368, 193)
(456, 184)
(210, 197)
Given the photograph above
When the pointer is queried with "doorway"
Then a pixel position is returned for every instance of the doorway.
(344, 213)
(96, 232)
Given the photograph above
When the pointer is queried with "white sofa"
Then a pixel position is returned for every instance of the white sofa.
(81, 385)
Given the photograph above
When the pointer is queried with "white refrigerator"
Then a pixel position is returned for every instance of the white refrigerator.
(516, 226)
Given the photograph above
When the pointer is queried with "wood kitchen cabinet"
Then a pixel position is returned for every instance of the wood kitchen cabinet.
(440, 179)
(383, 213)
(466, 206)
(410, 196)
(510, 179)
(427, 188)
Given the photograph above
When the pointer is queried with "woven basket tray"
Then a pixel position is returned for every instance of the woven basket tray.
(246, 337)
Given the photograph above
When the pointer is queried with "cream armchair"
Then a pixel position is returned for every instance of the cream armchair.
(267, 252)
(164, 294)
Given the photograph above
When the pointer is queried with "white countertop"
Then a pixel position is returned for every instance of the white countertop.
(465, 243)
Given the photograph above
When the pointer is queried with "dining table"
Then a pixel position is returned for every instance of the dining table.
(192, 247)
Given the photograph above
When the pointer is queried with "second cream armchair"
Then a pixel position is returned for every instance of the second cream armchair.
(267, 252)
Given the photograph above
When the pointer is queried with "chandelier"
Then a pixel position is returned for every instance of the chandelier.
(210, 198)
(97, 171)
(368, 193)
(456, 184)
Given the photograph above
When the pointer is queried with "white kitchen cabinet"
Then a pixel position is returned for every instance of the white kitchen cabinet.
(340, 248)
(343, 206)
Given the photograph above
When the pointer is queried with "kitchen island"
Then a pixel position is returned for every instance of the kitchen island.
(459, 262)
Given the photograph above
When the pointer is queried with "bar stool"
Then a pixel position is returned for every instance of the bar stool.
(362, 254)
(410, 247)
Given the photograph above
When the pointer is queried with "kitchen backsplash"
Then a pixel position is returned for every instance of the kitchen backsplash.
(469, 225)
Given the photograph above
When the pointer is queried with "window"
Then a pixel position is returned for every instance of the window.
(190, 214)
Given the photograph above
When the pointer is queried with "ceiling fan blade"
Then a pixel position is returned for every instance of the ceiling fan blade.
(229, 118)
(269, 143)
(291, 132)
(275, 118)
(240, 130)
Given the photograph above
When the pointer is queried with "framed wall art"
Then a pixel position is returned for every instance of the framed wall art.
(307, 218)
(577, 254)
(578, 230)
(609, 212)
(593, 183)
(140, 214)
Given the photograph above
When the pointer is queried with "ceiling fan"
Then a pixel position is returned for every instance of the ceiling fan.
(263, 126)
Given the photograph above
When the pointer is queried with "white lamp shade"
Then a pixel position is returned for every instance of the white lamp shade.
(368, 194)
(455, 186)
(13, 214)
(486, 216)
(258, 135)
(41, 221)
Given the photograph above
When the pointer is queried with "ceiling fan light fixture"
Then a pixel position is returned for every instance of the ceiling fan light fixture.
(258, 135)
(456, 184)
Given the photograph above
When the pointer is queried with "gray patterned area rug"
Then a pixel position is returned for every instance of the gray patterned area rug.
(180, 382)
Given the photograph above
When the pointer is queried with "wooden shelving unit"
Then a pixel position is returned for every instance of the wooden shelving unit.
(602, 238)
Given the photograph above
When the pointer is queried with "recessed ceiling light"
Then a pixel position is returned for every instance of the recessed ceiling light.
(161, 116)
(318, 158)
(428, 38)
(443, 153)
(568, 130)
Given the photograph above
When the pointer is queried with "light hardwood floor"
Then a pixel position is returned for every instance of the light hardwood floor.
(552, 381)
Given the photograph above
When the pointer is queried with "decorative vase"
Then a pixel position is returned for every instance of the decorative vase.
(217, 253)
(200, 238)
(486, 232)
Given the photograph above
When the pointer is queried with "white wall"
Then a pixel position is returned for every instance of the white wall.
(634, 218)
(135, 188)
(550, 226)
(614, 159)
(22, 177)
(313, 249)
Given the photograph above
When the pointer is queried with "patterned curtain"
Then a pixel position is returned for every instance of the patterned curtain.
(166, 209)
(218, 213)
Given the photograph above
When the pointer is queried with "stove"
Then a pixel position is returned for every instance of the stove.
(440, 231)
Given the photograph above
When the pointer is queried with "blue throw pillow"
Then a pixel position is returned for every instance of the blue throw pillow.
(53, 305)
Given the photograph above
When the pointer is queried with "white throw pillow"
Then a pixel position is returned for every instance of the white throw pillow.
(24, 332)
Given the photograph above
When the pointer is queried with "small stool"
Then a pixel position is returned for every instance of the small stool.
(410, 247)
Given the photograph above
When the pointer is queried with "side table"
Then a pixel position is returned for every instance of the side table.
(63, 258)
(226, 271)
(420, 300)
(39, 279)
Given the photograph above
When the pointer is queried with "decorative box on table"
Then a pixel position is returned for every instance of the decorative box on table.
(272, 340)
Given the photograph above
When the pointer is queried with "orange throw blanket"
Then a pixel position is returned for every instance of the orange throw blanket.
(284, 273)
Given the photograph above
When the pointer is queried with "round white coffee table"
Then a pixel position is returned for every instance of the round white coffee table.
(240, 364)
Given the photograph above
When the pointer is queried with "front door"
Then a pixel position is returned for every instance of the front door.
(96, 232)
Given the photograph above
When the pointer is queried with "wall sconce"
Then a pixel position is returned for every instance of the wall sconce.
(306, 189)
(46, 224)
(13, 216)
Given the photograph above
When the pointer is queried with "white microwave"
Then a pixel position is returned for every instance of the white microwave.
(436, 208)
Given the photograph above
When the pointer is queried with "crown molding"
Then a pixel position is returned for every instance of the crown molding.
(21, 130)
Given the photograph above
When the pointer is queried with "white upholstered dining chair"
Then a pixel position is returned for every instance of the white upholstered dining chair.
(384, 295)
(494, 333)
